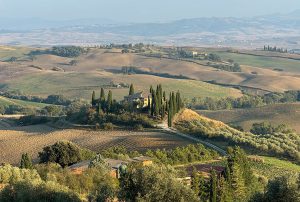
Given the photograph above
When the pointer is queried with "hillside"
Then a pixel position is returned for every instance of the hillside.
(7, 102)
(279, 144)
(49, 74)
(276, 114)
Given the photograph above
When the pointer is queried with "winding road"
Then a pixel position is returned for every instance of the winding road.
(164, 127)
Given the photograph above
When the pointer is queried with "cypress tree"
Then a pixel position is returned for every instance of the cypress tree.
(153, 102)
(26, 162)
(102, 96)
(157, 107)
(93, 99)
(174, 104)
(163, 111)
(164, 96)
(170, 112)
(213, 186)
(109, 101)
(131, 90)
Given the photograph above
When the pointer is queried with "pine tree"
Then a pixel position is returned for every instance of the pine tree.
(213, 186)
(94, 99)
(131, 90)
(109, 101)
(26, 162)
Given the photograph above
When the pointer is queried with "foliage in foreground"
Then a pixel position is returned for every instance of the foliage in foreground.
(179, 155)
(64, 153)
(155, 183)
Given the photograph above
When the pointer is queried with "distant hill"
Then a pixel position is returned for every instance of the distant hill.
(226, 31)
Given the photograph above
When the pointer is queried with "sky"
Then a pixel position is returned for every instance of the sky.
(142, 10)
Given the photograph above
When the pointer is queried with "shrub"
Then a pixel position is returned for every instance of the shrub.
(138, 127)
(45, 191)
(108, 126)
(63, 153)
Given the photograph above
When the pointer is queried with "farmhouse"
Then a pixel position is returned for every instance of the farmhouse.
(138, 99)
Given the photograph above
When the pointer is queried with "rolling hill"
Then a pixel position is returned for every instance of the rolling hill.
(277, 114)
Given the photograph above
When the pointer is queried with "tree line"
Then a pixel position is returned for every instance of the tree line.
(275, 49)
(246, 101)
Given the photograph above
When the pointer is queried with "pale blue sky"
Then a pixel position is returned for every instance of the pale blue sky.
(142, 10)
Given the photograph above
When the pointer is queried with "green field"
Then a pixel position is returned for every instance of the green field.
(288, 65)
(7, 102)
(7, 52)
(80, 85)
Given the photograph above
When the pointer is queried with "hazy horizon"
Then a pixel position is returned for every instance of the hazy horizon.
(141, 11)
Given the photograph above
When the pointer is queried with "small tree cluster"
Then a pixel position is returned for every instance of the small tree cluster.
(275, 49)
(104, 104)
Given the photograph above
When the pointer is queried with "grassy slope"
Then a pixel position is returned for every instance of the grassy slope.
(80, 85)
(265, 62)
(271, 167)
(274, 167)
(7, 52)
(277, 144)
(276, 114)
(7, 101)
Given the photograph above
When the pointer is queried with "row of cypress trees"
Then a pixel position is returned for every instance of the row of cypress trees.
(158, 103)
(103, 104)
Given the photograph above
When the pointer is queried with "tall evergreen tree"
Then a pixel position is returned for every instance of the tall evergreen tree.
(94, 99)
(164, 96)
(131, 90)
(102, 96)
(213, 186)
(109, 101)
(151, 89)
(195, 183)
(26, 161)
(170, 112)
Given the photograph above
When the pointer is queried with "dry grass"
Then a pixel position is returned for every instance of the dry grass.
(32, 139)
